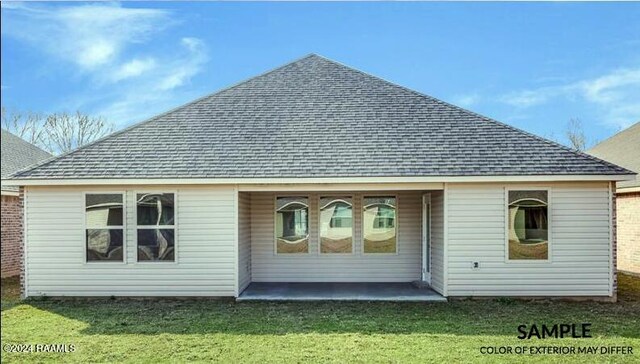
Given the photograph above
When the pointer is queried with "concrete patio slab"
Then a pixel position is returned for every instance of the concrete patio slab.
(281, 291)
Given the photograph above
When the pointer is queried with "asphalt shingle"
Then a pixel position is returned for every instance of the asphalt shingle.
(18, 154)
(318, 118)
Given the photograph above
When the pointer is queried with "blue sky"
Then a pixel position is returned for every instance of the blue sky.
(533, 66)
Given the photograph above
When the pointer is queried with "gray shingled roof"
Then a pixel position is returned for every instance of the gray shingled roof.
(317, 118)
(18, 154)
(622, 149)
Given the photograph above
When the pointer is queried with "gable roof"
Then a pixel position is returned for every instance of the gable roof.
(18, 154)
(622, 149)
(318, 118)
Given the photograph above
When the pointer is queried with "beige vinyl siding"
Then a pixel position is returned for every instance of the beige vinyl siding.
(205, 246)
(357, 267)
(437, 241)
(579, 243)
(244, 240)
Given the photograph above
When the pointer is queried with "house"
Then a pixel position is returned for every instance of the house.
(624, 150)
(318, 175)
(16, 155)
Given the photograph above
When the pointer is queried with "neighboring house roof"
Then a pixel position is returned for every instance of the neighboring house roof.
(622, 149)
(317, 118)
(18, 154)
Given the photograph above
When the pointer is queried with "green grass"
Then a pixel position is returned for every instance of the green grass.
(155, 331)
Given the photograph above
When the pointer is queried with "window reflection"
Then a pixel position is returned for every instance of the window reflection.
(379, 225)
(336, 225)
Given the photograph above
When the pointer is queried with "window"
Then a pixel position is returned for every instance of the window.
(292, 225)
(528, 225)
(379, 225)
(336, 225)
(156, 226)
(104, 227)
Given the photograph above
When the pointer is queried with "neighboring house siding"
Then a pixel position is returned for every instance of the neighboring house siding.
(11, 235)
(205, 262)
(437, 241)
(357, 267)
(580, 245)
(628, 215)
(244, 240)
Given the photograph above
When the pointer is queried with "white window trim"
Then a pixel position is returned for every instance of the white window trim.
(86, 226)
(275, 223)
(353, 230)
(549, 226)
(397, 224)
(174, 227)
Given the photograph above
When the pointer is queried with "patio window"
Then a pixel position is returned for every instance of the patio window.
(104, 233)
(528, 225)
(156, 227)
(379, 224)
(336, 225)
(292, 225)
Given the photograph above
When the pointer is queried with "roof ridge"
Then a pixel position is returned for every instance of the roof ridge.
(155, 117)
(182, 113)
(488, 119)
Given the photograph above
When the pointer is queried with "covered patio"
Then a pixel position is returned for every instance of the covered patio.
(357, 244)
(341, 291)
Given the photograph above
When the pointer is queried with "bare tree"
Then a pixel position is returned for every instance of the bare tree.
(65, 132)
(56, 133)
(28, 126)
(575, 135)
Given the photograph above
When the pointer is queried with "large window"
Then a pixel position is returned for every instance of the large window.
(156, 226)
(379, 222)
(528, 225)
(104, 227)
(336, 225)
(292, 225)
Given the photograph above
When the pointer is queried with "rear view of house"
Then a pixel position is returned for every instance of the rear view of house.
(317, 173)
(624, 149)
(16, 155)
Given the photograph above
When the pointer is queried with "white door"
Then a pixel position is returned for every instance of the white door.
(426, 238)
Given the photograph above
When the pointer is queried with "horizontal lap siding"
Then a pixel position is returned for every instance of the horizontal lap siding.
(244, 240)
(205, 235)
(437, 241)
(356, 267)
(579, 247)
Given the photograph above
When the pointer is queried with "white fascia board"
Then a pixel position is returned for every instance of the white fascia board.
(323, 180)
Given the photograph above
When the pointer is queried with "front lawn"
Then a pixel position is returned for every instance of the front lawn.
(208, 330)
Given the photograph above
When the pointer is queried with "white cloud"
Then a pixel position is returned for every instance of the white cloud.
(467, 100)
(616, 95)
(87, 35)
(106, 43)
(133, 68)
(181, 71)
(527, 98)
(159, 89)
(611, 87)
